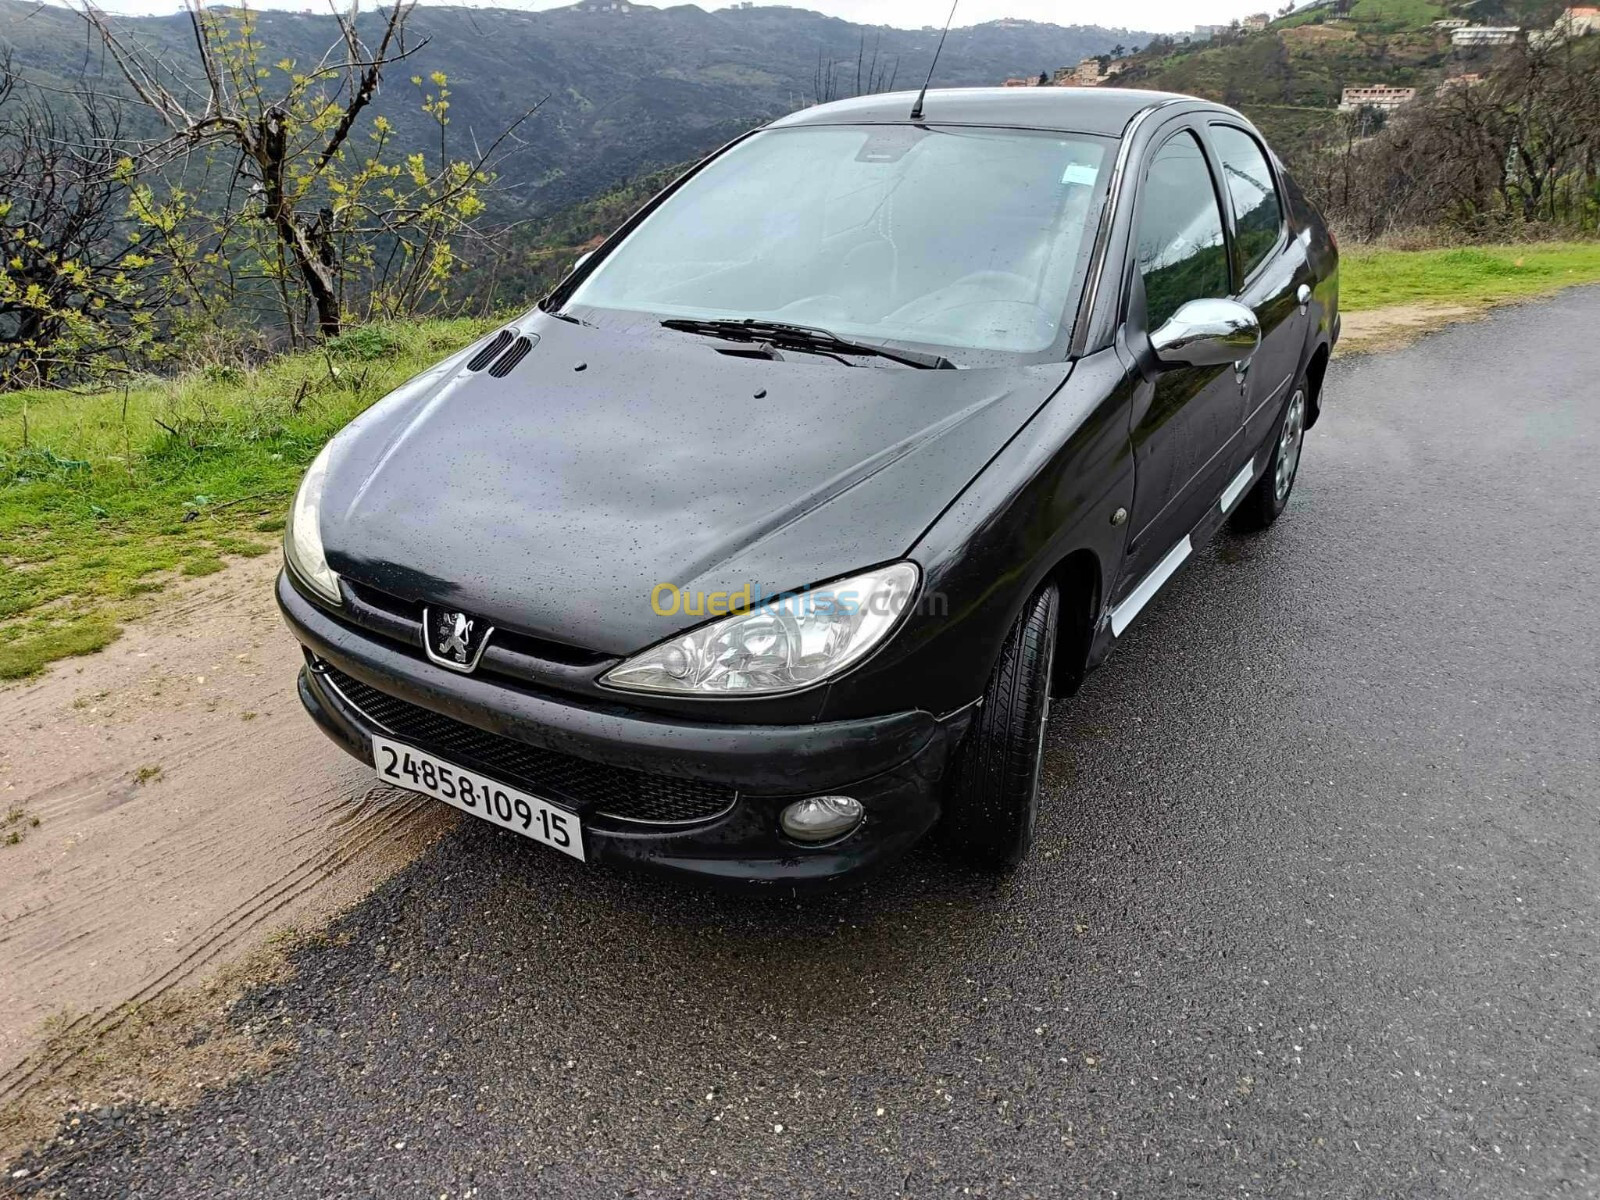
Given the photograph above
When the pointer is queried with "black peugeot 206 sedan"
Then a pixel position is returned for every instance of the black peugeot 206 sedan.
(759, 548)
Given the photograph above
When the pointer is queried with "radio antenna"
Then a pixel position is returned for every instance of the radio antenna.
(916, 109)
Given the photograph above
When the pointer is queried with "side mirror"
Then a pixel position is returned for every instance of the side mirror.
(580, 260)
(1207, 333)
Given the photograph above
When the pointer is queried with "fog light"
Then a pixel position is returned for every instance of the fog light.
(821, 818)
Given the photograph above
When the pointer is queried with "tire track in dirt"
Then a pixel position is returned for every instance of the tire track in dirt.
(187, 808)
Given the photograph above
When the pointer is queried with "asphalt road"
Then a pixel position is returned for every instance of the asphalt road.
(1315, 910)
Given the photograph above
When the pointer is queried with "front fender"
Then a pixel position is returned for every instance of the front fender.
(1050, 493)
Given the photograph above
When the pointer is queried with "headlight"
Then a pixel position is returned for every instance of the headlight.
(778, 646)
(302, 536)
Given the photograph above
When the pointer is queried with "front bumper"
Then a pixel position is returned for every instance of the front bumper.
(892, 764)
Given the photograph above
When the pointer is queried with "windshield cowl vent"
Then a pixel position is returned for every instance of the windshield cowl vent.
(484, 357)
(508, 361)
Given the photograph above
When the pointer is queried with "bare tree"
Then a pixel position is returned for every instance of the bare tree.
(824, 81)
(872, 75)
(1518, 145)
(1549, 109)
(286, 133)
(78, 290)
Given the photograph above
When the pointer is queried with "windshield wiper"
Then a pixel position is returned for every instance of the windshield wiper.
(784, 336)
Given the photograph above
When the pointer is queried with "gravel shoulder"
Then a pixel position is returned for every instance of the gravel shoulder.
(186, 812)
(1395, 326)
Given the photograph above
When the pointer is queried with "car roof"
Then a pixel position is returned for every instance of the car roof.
(1081, 110)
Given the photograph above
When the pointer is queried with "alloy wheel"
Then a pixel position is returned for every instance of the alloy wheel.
(1289, 443)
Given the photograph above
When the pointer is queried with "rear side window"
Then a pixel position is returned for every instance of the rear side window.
(1179, 244)
(1257, 210)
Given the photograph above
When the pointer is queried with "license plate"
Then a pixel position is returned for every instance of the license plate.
(408, 767)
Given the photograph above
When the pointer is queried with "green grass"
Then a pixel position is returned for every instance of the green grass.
(109, 497)
(1394, 15)
(1382, 15)
(1471, 276)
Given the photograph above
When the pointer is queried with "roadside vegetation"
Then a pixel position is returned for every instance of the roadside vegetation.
(1465, 275)
(262, 205)
(106, 497)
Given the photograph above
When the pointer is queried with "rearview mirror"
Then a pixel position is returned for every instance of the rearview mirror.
(1207, 333)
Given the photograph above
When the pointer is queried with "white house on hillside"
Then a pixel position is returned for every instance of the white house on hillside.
(1376, 96)
(1486, 35)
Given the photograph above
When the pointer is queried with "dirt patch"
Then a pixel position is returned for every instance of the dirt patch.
(1316, 35)
(1397, 325)
(159, 1053)
(186, 810)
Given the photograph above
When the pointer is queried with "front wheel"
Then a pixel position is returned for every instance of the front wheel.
(1270, 495)
(992, 795)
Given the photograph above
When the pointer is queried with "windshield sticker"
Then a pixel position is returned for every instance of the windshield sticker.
(1082, 173)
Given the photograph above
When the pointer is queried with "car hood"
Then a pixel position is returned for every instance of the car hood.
(552, 501)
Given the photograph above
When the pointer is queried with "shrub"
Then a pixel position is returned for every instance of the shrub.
(366, 343)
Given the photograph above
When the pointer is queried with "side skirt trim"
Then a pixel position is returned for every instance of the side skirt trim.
(1236, 489)
(1123, 614)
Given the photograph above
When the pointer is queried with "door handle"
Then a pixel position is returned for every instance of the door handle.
(1302, 297)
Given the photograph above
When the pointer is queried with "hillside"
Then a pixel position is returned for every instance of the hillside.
(1305, 65)
(1288, 77)
(627, 88)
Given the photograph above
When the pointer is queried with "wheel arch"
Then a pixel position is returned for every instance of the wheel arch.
(1080, 580)
(1316, 371)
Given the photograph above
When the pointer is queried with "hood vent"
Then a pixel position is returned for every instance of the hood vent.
(484, 357)
(508, 361)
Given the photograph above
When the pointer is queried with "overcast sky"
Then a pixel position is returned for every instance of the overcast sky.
(1158, 15)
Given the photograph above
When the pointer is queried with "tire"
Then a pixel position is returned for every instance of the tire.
(992, 793)
(1270, 494)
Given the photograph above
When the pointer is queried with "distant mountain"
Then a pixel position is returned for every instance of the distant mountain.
(626, 88)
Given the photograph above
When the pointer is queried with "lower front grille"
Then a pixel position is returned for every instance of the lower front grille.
(611, 791)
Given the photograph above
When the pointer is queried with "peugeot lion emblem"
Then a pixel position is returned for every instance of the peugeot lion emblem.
(455, 646)
(454, 639)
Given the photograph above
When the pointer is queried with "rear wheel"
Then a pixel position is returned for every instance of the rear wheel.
(992, 795)
(1270, 495)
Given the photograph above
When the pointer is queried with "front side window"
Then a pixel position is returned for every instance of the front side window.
(1257, 211)
(1178, 242)
(949, 237)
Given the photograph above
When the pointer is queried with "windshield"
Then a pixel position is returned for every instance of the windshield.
(955, 238)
